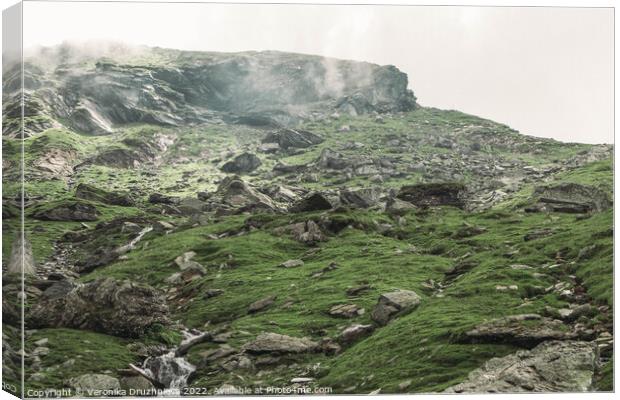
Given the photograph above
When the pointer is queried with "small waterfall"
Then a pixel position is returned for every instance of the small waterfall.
(170, 370)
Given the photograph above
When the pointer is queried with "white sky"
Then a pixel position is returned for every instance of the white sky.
(544, 71)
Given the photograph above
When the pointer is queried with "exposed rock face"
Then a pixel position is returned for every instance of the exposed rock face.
(242, 164)
(330, 159)
(572, 198)
(69, 211)
(194, 87)
(103, 305)
(280, 344)
(526, 330)
(434, 194)
(89, 192)
(552, 366)
(393, 304)
(346, 311)
(21, 249)
(290, 138)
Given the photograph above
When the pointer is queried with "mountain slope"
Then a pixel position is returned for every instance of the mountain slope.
(254, 195)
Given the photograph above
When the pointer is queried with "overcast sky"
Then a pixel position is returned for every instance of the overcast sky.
(544, 71)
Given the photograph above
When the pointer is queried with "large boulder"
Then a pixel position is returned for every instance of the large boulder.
(572, 198)
(280, 344)
(434, 194)
(68, 211)
(360, 198)
(234, 195)
(396, 207)
(307, 232)
(315, 201)
(105, 305)
(242, 164)
(290, 138)
(89, 192)
(553, 366)
(95, 383)
(525, 330)
(393, 304)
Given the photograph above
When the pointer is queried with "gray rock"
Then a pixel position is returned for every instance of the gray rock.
(290, 138)
(572, 197)
(397, 207)
(434, 194)
(276, 343)
(242, 164)
(94, 382)
(553, 366)
(361, 198)
(527, 330)
(261, 304)
(394, 304)
(138, 385)
(315, 201)
(354, 333)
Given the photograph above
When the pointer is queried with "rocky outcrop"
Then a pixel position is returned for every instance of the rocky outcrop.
(525, 330)
(280, 344)
(105, 305)
(89, 192)
(434, 194)
(257, 88)
(292, 139)
(242, 164)
(393, 304)
(307, 232)
(553, 366)
(570, 198)
(68, 211)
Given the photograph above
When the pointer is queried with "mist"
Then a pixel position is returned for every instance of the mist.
(545, 71)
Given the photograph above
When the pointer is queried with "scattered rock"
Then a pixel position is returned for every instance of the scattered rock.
(361, 198)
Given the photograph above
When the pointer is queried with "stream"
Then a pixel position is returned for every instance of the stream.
(172, 370)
